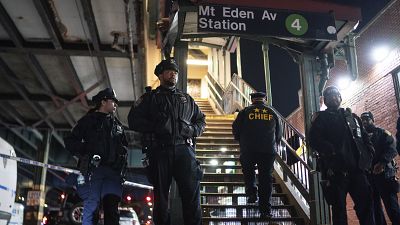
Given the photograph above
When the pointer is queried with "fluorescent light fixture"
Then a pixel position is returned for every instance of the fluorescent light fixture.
(344, 82)
(197, 62)
(214, 162)
(380, 53)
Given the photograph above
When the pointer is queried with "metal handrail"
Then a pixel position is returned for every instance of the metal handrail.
(292, 153)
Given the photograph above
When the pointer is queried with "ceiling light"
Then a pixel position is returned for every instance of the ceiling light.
(197, 62)
(380, 53)
(344, 82)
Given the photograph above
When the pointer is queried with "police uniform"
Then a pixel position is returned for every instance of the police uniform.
(385, 185)
(345, 154)
(257, 128)
(173, 120)
(398, 136)
(102, 134)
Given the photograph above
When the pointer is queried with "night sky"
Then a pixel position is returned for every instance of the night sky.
(285, 78)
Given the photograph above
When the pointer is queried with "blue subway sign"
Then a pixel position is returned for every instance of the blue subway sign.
(238, 20)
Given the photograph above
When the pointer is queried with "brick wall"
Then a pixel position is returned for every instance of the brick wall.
(374, 89)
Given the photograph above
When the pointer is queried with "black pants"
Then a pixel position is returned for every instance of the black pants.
(385, 189)
(178, 162)
(265, 164)
(357, 185)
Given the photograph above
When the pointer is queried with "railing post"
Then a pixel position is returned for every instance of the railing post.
(265, 49)
(319, 210)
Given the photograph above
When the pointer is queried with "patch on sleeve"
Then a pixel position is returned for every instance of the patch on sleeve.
(139, 101)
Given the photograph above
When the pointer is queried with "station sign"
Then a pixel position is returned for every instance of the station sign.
(238, 20)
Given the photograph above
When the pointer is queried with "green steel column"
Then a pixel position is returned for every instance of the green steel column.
(319, 210)
(265, 49)
(180, 55)
(40, 175)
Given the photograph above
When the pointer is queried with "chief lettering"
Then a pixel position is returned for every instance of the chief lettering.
(260, 116)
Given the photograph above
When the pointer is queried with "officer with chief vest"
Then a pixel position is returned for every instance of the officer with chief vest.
(257, 128)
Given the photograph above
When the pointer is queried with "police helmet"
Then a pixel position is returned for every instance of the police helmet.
(331, 90)
(367, 115)
(166, 64)
(105, 94)
(257, 95)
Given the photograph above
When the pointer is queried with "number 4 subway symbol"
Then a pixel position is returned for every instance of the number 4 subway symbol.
(296, 24)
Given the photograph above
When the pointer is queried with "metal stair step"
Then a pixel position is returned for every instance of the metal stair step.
(227, 183)
(282, 195)
(219, 158)
(255, 220)
(221, 166)
(218, 151)
(217, 145)
(246, 206)
(216, 133)
(218, 128)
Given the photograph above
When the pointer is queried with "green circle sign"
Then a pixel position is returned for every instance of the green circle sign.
(296, 24)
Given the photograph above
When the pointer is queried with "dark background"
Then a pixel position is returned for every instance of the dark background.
(285, 77)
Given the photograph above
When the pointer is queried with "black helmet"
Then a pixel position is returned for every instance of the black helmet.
(367, 115)
(330, 90)
(105, 94)
(166, 64)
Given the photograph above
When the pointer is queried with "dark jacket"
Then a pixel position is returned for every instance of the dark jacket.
(170, 115)
(385, 150)
(257, 128)
(98, 134)
(398, 136)
(341, 141)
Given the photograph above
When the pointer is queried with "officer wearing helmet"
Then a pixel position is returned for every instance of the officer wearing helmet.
(99, 141)
(258, 129)
(383, 174)
(173, 120)
(345, 156)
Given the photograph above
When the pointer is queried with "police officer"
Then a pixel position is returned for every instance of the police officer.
(99, 141)
(345, 152)
(258, 129)
(173, 120)
(398, 136)
(383, 177)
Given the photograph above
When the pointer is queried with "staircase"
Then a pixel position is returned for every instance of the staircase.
(223, 198)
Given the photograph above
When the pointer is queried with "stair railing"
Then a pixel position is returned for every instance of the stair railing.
(291, 162)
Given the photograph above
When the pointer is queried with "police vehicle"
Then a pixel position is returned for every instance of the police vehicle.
(8, 182)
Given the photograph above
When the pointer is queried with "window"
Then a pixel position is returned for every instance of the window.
(396, 82)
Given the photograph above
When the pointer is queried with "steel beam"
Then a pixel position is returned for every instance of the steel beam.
(48, 20)
(94, 35)
(46, 84)
(4, 108)
(10, 27)
(68, 103)
(76, 50)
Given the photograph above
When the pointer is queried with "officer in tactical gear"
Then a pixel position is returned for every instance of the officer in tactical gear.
(345, 156)
(258, 129)
(398, 136)
(383, 175)
(99, 141)
(174, 120)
